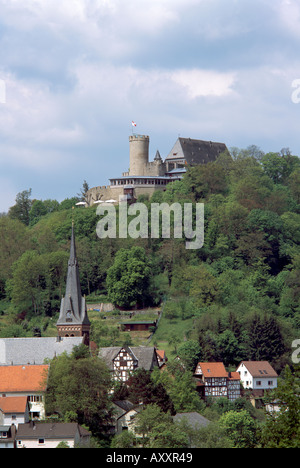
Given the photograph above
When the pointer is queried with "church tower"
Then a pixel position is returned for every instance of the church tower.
(73, 319)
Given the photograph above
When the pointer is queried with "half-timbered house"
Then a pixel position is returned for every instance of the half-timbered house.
(123, 361)
(213, 381)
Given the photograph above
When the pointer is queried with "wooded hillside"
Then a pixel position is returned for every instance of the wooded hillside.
(236, 298)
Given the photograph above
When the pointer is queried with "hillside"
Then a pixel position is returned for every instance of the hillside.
(236, 298)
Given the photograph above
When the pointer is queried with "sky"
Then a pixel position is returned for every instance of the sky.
(74, 74)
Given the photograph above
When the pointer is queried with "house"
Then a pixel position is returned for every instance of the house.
(162, 358)
(124, 415)
(234, 386)
(123, 361)
(138, 326)
(7, 436)
(25, 381)
(214, 381)
(50, 435)
(257, 375)
(193, 420)
(14, 410)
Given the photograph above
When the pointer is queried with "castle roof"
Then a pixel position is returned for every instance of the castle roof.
(196, 152)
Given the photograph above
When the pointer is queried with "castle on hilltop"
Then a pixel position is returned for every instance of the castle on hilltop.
(144, 177)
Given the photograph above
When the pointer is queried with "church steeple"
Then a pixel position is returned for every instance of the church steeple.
(73, 319)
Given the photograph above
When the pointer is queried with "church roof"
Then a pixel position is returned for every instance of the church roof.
(23, 351)
(73, 307)
(196, 152)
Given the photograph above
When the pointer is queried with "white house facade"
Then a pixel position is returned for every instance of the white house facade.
(258, 375)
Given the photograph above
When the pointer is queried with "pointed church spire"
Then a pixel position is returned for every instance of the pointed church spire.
(73, 319)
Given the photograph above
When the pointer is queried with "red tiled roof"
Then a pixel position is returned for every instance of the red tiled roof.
(234, 376)
(23, 378)
(161, 353)
(13, 404)
(213, 369)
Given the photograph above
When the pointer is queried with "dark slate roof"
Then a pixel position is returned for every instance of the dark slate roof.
(196, 152)
(23, 351)
(195, 420)
(50, 431)
(73, 302)
(145, 356)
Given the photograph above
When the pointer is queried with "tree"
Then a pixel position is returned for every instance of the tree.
(27, 286)
(128, 280)
(21, 210)
(41, 208)
(37, 282)
(83, 191)
(279, 166)
(125, 440)
(205, 180)
(189, 353)
(142, 388)
(282, 429)
(80, 384)
(158, 429)
(241, 428)
(265, 340)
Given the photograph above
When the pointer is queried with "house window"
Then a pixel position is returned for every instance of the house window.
(270, 383)
(41, 441)
(258, 383)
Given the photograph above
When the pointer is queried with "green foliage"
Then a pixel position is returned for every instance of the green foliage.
(282, 428)
(158, 429)
(128, 279)
(21, 210)
(79, 384)
(241, 429)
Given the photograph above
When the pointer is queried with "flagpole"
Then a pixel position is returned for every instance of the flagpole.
(133, 124)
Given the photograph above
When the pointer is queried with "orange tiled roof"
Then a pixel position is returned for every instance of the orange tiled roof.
(13, 404)
(161, 353)
(213, 369)
(23, 378)
(234, 376)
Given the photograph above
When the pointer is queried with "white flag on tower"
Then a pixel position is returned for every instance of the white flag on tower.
(133, 124)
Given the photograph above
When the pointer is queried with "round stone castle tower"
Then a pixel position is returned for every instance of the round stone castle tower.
(139, 155)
